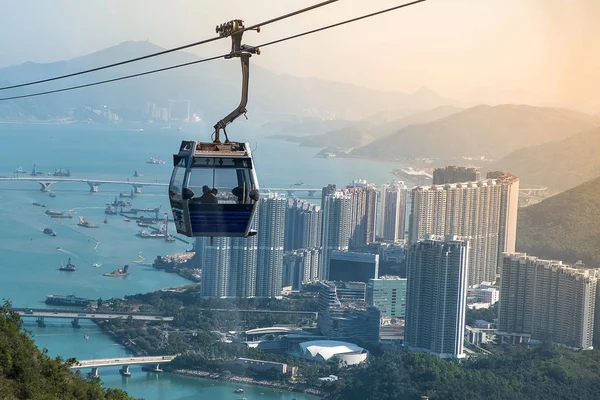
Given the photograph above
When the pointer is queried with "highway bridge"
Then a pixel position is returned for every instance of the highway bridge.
(47, 181)
(42, 313)
(155, 361)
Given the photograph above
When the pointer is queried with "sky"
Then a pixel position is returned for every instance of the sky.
(522, 51)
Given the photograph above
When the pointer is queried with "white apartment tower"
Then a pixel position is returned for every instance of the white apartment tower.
(542, 300)
(337, 222)
(364, 212)
(271, 228)
(436, 298)
(471, 210)
(509, 207)
(393, 211)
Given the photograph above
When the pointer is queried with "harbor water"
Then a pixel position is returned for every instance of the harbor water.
(30, 260)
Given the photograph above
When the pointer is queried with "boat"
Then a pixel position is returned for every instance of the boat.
(105, 221)
(86, 337)
(62, 172)
(61, 216)
(142, 224)
(35, 172)
(137, 175)
(109, 210)
(52, 194)
(119, 203)
(127, 195)
(69, 267)
(155, 161)
(238, 390)
(147, 209)
(52, 212)
(96, 265)
(49, 231)
(70, 300)
(20, 170)
(170, 238)
(85, 224)
(150, 235)
(119, 272)
(35, 203)
(127, 220)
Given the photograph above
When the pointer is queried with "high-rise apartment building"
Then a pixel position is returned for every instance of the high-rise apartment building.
(437, 296)
(470, 210)
(303, 224)
(454, 174)
(542, 300)
(271, 228)
(300, 266)
(393, 211)
(337, 220)
(388, 294)
(364, 212)
(228, 266)
(509, 207)
(218, 279)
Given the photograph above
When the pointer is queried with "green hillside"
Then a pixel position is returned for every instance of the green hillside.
(559, 165)
(27, 373)
(564, 227)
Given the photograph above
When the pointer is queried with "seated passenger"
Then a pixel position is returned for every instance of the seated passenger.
(239, 193)
(254, 195)
(214, 191)
(207, 196)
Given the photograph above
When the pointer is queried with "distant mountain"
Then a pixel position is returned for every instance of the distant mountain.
(213, 87)
(361, 133)
(490, 131)
(563, 227)
(559, 165)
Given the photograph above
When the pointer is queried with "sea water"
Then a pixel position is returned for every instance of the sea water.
(29, 259)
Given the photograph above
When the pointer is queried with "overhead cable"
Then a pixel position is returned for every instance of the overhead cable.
(174, 49)
(295, 36)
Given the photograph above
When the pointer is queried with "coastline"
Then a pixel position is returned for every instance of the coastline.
(298, 388)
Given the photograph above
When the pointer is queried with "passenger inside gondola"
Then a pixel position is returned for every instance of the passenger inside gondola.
(208, 197)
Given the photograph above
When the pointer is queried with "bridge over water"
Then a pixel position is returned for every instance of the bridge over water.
(42, 313)
(155, 361)
(47, 181)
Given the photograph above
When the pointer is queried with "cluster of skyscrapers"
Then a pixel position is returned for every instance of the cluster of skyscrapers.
(456, 235)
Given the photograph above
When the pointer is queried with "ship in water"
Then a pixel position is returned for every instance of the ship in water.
(52, 212)
(49, 231)
(137, 175)
(20, 170)
(85, 224)
(71, 300)
(35, 203)
(70, 267)
(109, 210)
(62, 172)
(153, 160)
(127, 195)
(52, 194)
(119, 203)
(119, 272)
(161, 233)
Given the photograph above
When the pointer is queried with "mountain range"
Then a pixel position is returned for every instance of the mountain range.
(563, 227)
(560, 164)
(489, 131)
(213, 87)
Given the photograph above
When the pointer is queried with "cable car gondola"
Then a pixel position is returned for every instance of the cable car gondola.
(214, 188)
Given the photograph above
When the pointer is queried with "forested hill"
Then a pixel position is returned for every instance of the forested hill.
(563, 227)
(27, 373)
(544, 372)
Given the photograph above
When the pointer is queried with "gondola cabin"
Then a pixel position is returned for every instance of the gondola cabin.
(214, 189)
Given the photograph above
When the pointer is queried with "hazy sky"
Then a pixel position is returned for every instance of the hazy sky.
(491, 50)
